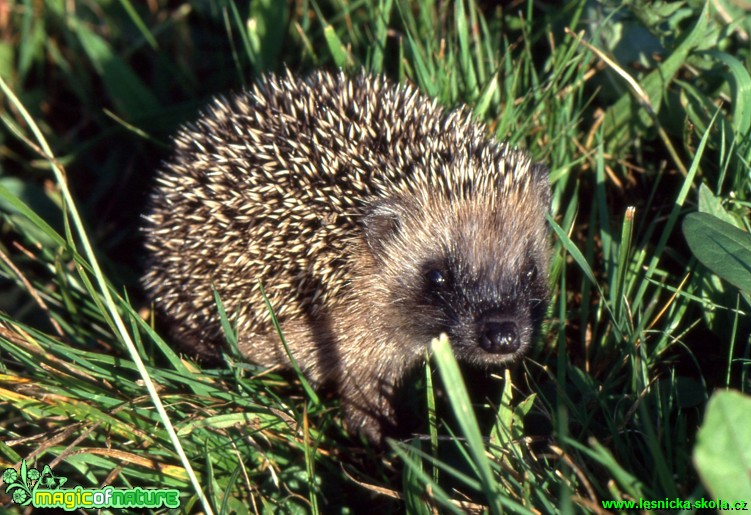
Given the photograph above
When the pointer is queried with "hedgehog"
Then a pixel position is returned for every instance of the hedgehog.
(374, 219)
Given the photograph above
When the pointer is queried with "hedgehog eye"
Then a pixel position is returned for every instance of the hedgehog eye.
(437, 278)
(532, 273)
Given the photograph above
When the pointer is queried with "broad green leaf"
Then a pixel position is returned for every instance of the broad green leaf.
(722, 454)
(6, 60)
(721, 247)
(381, 20)
(266, 31)
(621, 114)
(486, 97)
(465, 51)
(336, 47)
(710, 204)
(740, 86)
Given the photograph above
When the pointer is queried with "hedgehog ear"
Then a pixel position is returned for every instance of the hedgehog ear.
(541, 182)
(381, 223)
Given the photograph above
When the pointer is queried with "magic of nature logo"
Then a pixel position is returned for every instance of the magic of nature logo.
(30, 487)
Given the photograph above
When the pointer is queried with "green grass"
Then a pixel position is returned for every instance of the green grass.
(646, 107)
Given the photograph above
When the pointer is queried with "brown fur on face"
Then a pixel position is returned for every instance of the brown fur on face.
(375, 221)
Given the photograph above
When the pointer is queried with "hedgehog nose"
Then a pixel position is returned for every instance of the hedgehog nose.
(499, 338)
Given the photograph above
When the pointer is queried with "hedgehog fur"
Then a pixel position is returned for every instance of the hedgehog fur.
(375, 221)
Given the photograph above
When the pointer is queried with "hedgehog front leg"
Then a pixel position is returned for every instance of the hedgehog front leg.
(368, 405)
(364, 383)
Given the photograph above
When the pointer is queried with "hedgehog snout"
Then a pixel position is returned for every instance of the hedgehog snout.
(499, 336)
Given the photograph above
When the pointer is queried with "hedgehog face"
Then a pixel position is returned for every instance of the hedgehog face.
(491, 308)
(472, 269)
